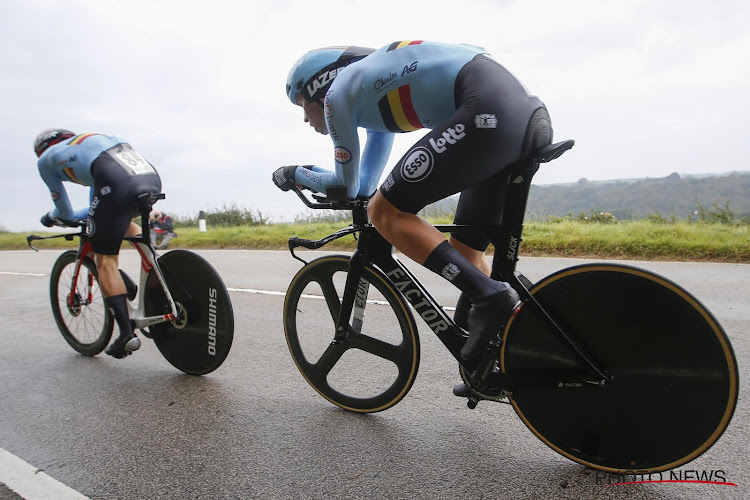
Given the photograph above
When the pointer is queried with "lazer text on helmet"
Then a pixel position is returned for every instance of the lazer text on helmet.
(322, 81)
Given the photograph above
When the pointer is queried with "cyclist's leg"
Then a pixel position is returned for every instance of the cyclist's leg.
(413, 236)
(476, 257)
(108, 265)
(167, 236)
(477, 152)
(110, 219)
(479, 204)
(494, 301)
(133, 230)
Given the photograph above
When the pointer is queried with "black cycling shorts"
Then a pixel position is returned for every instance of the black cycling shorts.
(116, 187)
(469, 151)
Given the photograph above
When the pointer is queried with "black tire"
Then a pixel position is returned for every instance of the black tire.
(83, 318)
(200, 340)
(375, 366)
(674, 375)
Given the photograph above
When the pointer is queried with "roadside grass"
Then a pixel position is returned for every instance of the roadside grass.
(637, 240)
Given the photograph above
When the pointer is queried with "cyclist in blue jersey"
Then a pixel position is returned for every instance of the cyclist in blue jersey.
(481, 121)
(117, 174)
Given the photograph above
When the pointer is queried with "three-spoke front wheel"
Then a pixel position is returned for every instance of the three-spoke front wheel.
(371, 364)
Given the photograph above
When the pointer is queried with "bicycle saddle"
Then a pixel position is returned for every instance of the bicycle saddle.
(148, 199)
(551, 151)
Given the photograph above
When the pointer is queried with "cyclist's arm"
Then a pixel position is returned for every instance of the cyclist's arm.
(374, 158)
(346, 160)
(63, 209)
(342, 128)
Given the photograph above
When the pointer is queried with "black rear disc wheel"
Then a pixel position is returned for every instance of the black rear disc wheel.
(674, 376)
(200, 339)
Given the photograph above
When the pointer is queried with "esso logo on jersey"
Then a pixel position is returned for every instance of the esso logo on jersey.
(417, 164)
(342, 155)
(90, 226)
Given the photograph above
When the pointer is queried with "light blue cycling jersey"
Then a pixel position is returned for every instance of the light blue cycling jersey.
(401, 87)
(70, 161)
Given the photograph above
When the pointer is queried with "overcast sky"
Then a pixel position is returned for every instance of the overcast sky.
(645, 87)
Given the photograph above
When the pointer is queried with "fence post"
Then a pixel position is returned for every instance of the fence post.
(202, 221)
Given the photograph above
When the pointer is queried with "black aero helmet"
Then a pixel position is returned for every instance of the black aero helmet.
(47, 138)
(314, 72)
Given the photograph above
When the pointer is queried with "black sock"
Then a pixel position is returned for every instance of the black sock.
(119, 309)
(451, 265)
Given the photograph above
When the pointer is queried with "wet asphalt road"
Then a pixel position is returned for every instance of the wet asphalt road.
(138, 428)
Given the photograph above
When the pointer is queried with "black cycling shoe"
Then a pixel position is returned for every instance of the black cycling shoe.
(123, 345)
(487, 317)
(461, 314)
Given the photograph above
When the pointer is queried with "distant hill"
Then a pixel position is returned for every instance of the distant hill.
(675, 195)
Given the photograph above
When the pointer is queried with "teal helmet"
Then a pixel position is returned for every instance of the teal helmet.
(314, 72)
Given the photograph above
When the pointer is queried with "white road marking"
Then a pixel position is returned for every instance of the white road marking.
(308, 296)
(30, 482)
(246, 290)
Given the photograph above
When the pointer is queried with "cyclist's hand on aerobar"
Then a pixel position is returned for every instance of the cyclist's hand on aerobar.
(283, 177)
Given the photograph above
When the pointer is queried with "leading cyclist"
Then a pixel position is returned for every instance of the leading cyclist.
(117, 174)
(482, 120)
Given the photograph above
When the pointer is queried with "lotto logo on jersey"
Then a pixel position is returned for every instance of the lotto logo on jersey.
(342, 155)
(450, 136)
(417, 164)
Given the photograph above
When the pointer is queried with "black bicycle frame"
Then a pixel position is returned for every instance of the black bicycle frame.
(372, 248)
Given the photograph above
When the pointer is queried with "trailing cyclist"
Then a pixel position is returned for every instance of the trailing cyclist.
(117, 174)
(482, 120)
(161, 225)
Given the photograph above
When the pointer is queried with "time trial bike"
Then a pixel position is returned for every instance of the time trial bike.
(612, 366)
(180, 301)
